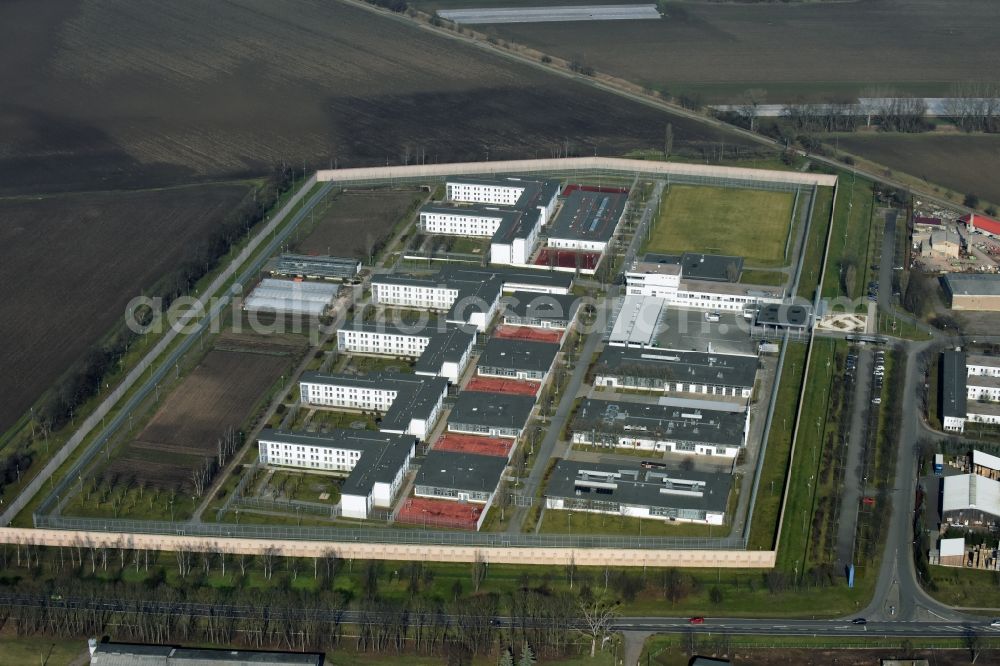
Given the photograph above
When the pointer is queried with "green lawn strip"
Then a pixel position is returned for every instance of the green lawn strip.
(772, 480)
(816, 241)
(972, 588)
(41, 650)
(750, 223)
(582, 522)
(851, 236)
(767, 278)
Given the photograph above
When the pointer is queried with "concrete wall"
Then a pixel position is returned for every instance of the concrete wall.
(729, 559)
(987, 303)
(572, 163)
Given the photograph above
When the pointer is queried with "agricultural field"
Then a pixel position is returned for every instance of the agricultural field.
(69, 265)
(136, 93)
(218, 395)
(356, 222)
(962, 163)
(750, 223)
(808, 51)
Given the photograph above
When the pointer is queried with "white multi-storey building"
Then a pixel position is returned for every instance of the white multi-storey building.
(375, 463)
(501, 192)
(666, 281)
(459, 221)
(676, 371)
(442, 350)
(409, 404)
(587, 221)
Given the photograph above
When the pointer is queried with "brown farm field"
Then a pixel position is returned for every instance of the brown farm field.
(961, 162)
(356, 220)
(219, 394)
(129, 93)
(812, 50)
(69, 265)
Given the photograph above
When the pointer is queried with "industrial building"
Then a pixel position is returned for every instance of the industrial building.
(638, 491)
(587, 220)
(320, 267)
(676, 371)
(131, 654)
(941, 245)
(375, 462)
(555, 311)
(970, 500)
(973, 291)
(291, 297)
(638, 321)
(969, 389)
(490, 414)
(461, 477)
(517, 359)
(441, 349)
(984, 464)
(695, 430)
(409, 404)
(953, 391)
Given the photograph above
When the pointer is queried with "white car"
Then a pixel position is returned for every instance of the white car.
(995, 623)
(712, 316)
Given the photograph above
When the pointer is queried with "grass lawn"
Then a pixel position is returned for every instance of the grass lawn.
(851, 240)
(370, 364)
(581, 522)
(325, 419)
(753, 224)
(818, 228)
(768, 278)
(306, 487)
(41, 650)
(974, 588)
(772, 481)
(471, 245)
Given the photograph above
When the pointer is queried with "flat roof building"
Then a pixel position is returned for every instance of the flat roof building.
(517, 359)
(491, 414)
(409, 404)
(970, 500)
(462, 477)
(774, 315)
(291, 297)
(587, 220)
(132, 654)
(699, 281)
(661, 428)
(441, 349)
(699, 266)
(638, 491)
(318, 267)
(953, 391)
(375, 462)
(973, 291)
(676, 371)
(525, 308)
(638, 321)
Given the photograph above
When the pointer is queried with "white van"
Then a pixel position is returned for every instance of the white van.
(712, 316)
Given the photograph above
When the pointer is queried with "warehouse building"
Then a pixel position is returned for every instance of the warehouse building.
(320, 267)
(970, 389)
(375, 462)
(291, 297)
(409, 404)
(517, 359)
(638, 491)
(554, 311)
(676, 371)
(461, 477)
(973, 291)
(130, 654)
(984, 464)
(442, 350)
(661, 428)
(970, 500)
(587, 220)
(638, 321)
(490, 414)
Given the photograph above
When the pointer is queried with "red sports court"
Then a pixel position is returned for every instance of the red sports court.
(528, 333)
(496, 385)
(569, 259)
(439, 513)
(593, 188)
(484, 446)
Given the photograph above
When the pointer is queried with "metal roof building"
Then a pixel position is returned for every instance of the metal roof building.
(291, 297)
(973, 291)
(970, 499)
(130, 654)
(315, 267)
(953, 390)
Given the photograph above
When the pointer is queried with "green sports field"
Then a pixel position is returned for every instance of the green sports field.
(750, 223)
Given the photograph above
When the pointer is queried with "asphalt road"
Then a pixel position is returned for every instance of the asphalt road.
(850, 497)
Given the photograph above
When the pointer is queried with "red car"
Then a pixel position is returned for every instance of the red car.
(697, 620)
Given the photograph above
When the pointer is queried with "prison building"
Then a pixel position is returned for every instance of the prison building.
(517, 359)
(131, 654)
(555, 311)
(441, 349)
(490, 414)
(374, 463)
(970, 500)
(637, 322)
(408, 404)
(320, 267)
(291, 297)
(980, 365)
(676, 371)
(523, 194)
(460, 477)
(654, 279)
(694, 430)
(638, 491)
(587, 220)
(699, 281)
(983, 388)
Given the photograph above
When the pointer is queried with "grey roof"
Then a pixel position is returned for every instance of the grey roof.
(382, 454)
(535, 193)
(445, 347)
(510, 277)
(972, 284)
(774, 314)
(126, 654)
(591, 216)
(698, 266)
(416, 397)
(984, 381)
(953, 391)
(324, 266)
(546, 307)
(408, 280)
(529, 355)
(460, 471)
(491, 409)
(514, 223)
(676, 365)
(662, 422)
(987, 360)
(473, 296)
(633, 485)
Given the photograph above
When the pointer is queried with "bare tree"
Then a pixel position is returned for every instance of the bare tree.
(598, 616)
(749, 106)
(478, 571)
